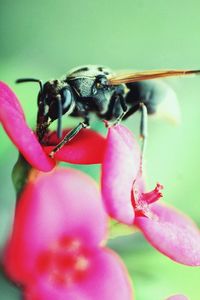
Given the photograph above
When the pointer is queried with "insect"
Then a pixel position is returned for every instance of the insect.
(97, 89)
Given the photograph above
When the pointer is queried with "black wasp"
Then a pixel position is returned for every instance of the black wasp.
(99, 90)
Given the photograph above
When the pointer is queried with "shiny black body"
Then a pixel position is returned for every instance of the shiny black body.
(80, 93)
(87, 90)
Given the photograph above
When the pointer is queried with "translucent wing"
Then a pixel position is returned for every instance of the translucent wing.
(146, 75)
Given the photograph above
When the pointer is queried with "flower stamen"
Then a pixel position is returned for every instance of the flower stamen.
(141, 201)
(65, 263)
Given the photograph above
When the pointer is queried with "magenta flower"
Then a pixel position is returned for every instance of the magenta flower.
(56, 248)
(87, 148)
(123, 188)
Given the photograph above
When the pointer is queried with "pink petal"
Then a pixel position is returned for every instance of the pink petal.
(62, 203)
(107, 279)
(173, 234)
(8, 98)
(119, 170)
(177, 297)
(13, 121)
(86, 148)
(42, 291)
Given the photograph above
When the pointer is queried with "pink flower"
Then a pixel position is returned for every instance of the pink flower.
(56, 248)
(86, 148)
(123, 189)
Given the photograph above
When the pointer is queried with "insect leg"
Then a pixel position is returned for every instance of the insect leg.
(131, 111)
(123, 105)
(60, 113)
(42, 119)
(109, 114)
(143, 129)
(124, 108)
(69, 136)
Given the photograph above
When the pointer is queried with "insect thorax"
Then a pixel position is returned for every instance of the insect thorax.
(90, 92)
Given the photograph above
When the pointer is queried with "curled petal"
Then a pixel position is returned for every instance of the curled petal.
(119, 170)
(13, 121)
(173, 234)
(86, 148)
(106, 273)
(63, 203)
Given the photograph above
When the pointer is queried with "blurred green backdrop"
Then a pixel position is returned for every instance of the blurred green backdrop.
(44, 39)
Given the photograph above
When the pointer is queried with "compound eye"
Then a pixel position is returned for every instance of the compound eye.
(66, 98)
(61, 104)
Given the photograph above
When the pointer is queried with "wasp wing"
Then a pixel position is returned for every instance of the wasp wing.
(146, 75)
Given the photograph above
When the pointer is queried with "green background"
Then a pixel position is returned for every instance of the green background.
(44, 39)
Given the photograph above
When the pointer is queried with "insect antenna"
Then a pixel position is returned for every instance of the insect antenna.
(21, 80)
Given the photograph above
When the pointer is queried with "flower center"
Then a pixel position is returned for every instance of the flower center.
(65, 262)
(141, 201)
